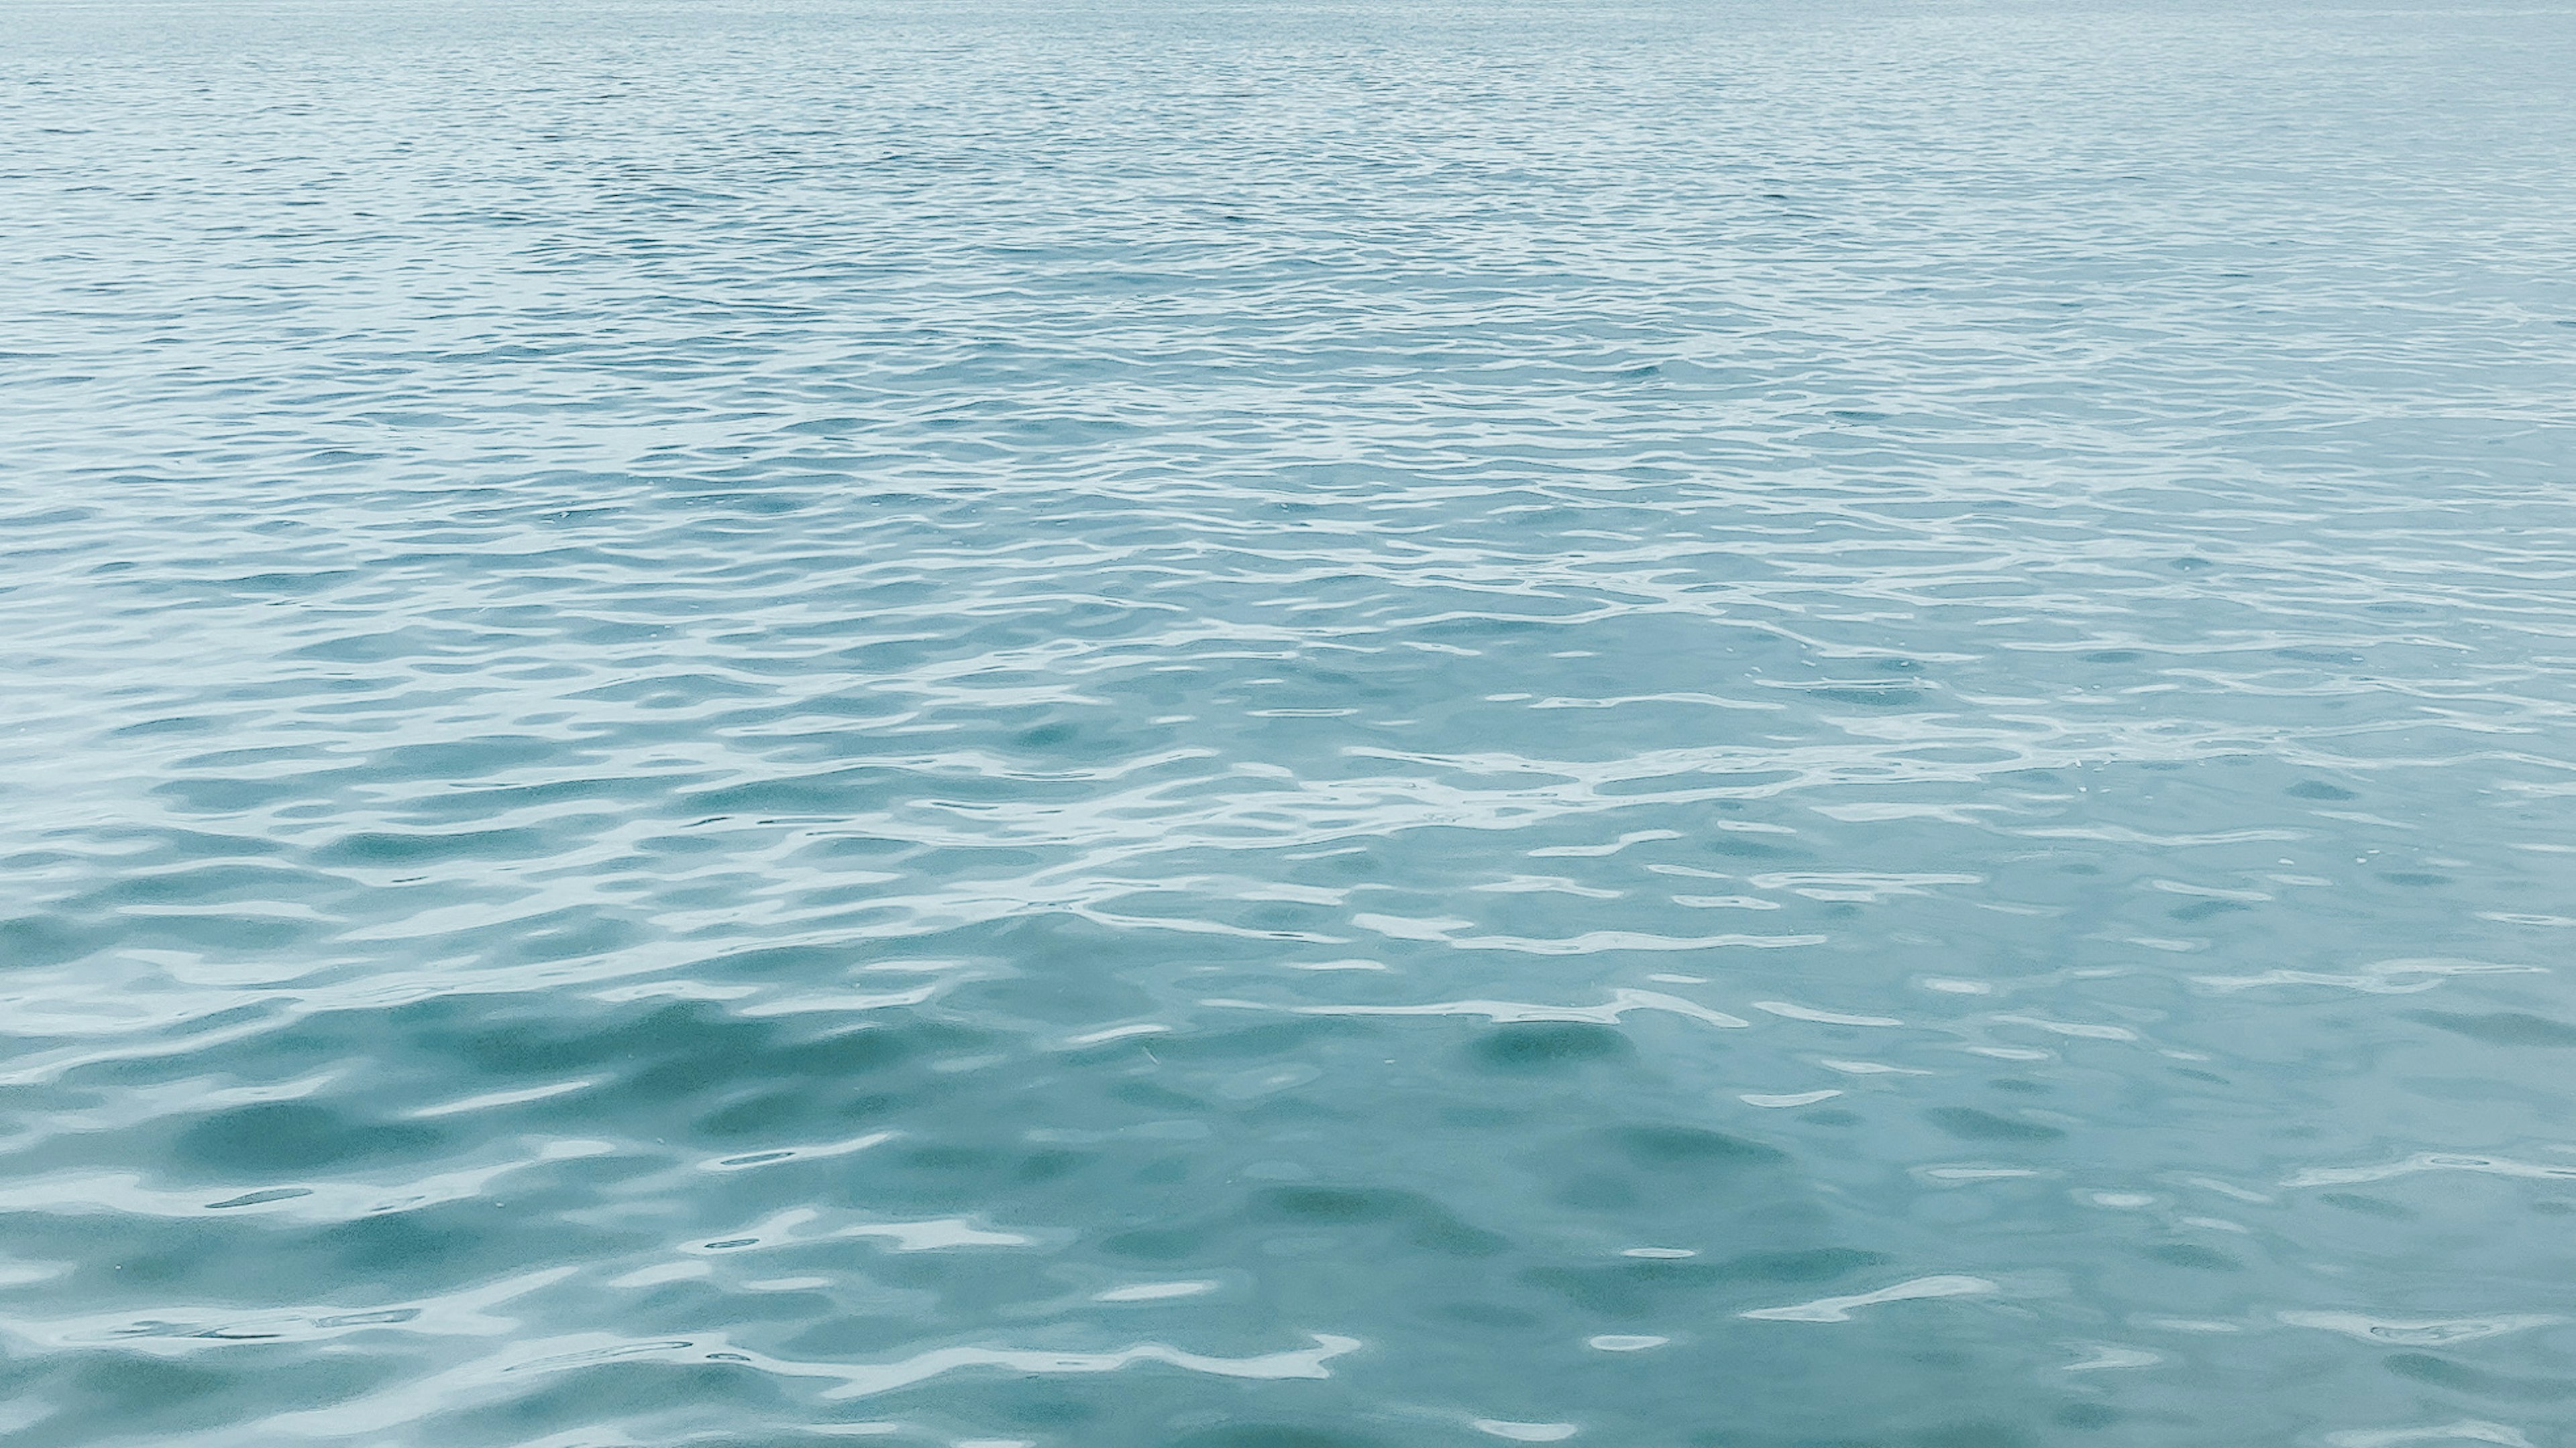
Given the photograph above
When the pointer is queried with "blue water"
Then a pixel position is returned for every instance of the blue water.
(1287, 725)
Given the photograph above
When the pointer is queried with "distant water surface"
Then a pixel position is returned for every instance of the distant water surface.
(1287, 725)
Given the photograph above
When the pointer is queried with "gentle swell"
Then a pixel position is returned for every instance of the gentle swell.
(1285, 725)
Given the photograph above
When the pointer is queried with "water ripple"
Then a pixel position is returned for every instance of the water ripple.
(1288, 724)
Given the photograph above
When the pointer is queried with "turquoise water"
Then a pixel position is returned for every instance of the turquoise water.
(1287, 726)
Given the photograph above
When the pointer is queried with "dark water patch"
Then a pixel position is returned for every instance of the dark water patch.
(385, 848)
(2368, 1206)
(1548, 1047)
(1252, 1043)
(1819, 1264)
(1690, 1149)
(50, 939)
(2502, 1028)
(1155, 1244)
(220, 795)
(202, 885)
(179, 724)
(609, 1391)
(260, 1198)
(1636, 1289)
(2086, 1417)
(2193, 1255)
(1970, 1124)
(150, 1397)
(1979, 1433)
(1275, 1435)
(2459, 1377)
(278, 1137)
(1427, 1224)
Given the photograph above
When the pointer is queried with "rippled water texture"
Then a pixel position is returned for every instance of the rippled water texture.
(1284, 726)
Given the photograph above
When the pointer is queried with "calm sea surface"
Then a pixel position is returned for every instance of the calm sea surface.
(1287, 725)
